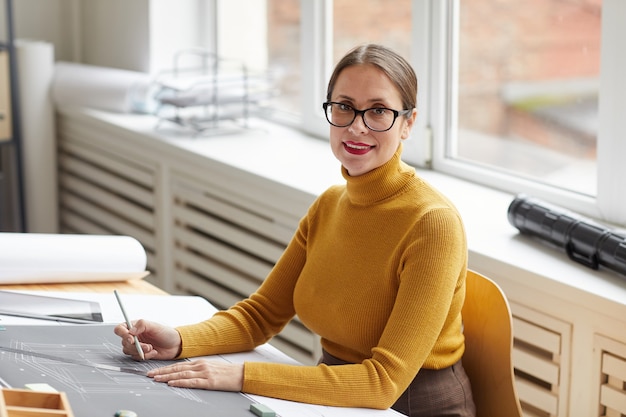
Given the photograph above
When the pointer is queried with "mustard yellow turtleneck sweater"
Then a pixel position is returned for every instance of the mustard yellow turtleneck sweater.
(377, 269)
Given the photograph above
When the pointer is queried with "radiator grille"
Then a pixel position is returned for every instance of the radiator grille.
(541, 362)
(610, 361)
(104, 192)
(224, 247)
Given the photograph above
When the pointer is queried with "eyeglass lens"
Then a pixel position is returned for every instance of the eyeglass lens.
(375, 119)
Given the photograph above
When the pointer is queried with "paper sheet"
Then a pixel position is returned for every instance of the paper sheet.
(110, 89)
(46, 258)
(181, 309)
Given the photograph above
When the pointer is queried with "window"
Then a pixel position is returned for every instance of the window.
(526, 100)
(527, 89)
(284, 53)
(378, 21)
(520, 96)
(297, 42)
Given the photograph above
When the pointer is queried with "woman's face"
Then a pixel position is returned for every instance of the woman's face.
(358, 148)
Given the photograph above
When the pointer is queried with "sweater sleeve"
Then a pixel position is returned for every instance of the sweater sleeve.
(424, 327)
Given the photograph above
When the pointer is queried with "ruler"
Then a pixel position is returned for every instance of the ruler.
(74, 361)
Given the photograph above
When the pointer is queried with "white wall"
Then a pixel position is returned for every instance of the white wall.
(115, 33)
(138, 35)
(52, 21)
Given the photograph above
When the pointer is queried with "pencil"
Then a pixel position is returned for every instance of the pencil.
(119, 301)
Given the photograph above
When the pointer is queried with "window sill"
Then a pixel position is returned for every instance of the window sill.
(288, 159)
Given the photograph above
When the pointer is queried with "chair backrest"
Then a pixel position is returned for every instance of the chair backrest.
(488, 359)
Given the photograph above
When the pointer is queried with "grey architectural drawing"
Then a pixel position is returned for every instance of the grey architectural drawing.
(98, 391)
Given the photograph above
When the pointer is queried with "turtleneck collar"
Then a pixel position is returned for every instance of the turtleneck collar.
(380, 183)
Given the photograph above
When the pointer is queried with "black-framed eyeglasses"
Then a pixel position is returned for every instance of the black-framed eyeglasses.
(378, 119)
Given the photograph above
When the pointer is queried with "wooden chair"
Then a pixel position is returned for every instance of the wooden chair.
(488, 348)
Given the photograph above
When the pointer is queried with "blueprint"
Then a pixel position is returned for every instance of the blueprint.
(95, 392)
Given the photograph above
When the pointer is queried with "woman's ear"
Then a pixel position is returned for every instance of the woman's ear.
(408, 124)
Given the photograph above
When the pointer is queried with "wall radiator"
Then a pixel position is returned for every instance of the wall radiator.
(201, 237)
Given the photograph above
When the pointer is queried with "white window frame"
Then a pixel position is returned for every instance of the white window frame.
(610, 203)
(317, 65)
(432, 31)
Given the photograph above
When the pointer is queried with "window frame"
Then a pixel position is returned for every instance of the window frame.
(431, 55)
(610, 203)
(315, 57)
(317, 65)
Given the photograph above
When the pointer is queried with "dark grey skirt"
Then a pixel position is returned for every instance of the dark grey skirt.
(433, 393)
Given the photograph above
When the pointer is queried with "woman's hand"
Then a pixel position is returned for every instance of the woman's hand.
(157, 341)
(204, 374)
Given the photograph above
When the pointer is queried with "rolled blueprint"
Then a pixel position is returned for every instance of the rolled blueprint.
(584, 240)
(110, 89)
(52, 258)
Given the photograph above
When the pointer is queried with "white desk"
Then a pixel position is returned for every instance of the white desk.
(184, 310)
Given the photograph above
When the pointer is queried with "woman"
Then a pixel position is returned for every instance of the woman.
(376, 268)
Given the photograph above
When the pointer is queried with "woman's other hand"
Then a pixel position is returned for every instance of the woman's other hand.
(204, 374)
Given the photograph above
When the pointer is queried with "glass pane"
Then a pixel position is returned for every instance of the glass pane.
(528, 88)
(355, 22)
(283, 44)
(265, 35)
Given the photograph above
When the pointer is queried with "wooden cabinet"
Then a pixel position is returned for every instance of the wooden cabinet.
(609, 368)
(542, 360)
(569, 349)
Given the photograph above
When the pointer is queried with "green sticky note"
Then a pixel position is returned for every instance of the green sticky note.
(40, 387)
(262, 410)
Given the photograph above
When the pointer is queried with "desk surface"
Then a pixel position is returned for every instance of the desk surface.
(141, 288)
(137, 286)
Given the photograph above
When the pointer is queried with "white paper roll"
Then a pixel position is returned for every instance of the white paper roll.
(46, 258)
(35, 64)
(109, 89)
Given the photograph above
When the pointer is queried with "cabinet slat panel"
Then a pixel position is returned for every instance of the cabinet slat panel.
(613, 398)
(610, 365)
(539, 367)
(539, 398)
(226, 232)
(217, 272)
(130, 169)
(298, 336)
(540, 337)
(108, 201)
(614, 366)
(92, 174)
(211, 248)
(108, 219)
(244, 216)
(541, 352)
(302, 356)
(219, 296)
(75, 223)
